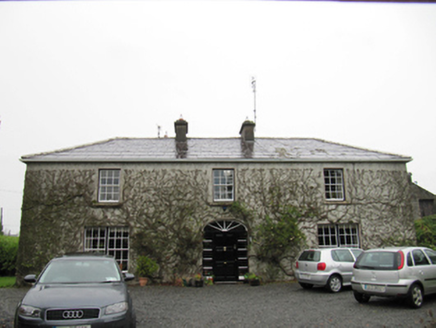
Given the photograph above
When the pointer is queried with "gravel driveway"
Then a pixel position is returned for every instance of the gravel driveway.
(270, 305)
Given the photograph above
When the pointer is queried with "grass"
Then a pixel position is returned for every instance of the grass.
(7, 282)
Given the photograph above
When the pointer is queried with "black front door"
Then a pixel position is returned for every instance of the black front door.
(225, 250)
(225, 256)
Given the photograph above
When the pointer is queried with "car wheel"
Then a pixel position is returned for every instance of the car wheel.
(306, 286)
(361, 298)
(415, 296)
(334, 284)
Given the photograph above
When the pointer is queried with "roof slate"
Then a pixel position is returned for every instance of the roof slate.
(214, 149)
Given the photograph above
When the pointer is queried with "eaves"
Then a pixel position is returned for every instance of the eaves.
(217, 160)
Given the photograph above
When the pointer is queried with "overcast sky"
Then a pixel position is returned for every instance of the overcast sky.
(71, 73)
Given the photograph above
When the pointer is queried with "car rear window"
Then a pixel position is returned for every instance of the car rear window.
(313, 256)
(378, 261)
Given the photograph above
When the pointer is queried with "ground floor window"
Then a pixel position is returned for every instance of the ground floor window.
(338, 235)
(112, 241)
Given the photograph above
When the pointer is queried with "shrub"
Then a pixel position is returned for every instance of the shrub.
(145, 266)
(275, 238)
(8, 255)
(426, 231)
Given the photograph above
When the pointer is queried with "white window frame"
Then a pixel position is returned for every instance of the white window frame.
(334, 184)
(223, 185)
(113, 241)
(109, 185)
(338, 235)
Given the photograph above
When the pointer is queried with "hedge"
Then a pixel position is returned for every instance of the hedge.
(8, 255)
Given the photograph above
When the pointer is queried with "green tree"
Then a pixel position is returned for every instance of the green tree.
(8, 255)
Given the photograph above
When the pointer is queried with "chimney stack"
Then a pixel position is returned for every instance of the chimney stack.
(181, 127)
(247, 131)
(247, 138)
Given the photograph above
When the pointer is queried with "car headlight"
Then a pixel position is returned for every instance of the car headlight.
(116, 308)
(29, 311)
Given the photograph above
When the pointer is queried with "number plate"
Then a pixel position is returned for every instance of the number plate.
(374, 288)
(304, 276)
(87, 326)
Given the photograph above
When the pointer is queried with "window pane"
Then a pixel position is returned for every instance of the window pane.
(341, 235)
(334, 185)
(119, 245)
(223, 185)
(326, 236)
(348, 235)
(112, 241)
(95, 239)
(109, 186)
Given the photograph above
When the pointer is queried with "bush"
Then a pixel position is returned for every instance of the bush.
(8, 255)
(426, 231)
(274, 238)
(146, 267)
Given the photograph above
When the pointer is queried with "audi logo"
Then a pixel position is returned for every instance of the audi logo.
(72, 314)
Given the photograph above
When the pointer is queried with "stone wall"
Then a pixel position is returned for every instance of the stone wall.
(166, 207)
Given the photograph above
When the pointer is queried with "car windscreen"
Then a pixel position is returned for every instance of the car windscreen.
(80, 271)
(310, 255)
(378, 261)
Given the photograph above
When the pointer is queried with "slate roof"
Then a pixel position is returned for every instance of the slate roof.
(214, 150)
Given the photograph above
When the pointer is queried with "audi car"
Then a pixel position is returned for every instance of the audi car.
(80, 291)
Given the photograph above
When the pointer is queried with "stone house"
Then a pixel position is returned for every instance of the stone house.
(174, 199)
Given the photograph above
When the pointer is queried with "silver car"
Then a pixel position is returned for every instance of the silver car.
(331, 268)
(407, 272)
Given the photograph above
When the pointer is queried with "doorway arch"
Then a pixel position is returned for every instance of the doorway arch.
(225, 254)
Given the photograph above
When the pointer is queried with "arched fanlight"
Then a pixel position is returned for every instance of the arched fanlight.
(225, 226)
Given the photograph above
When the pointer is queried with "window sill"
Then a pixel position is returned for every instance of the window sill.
(221, 203)
(336, 202)
(107, 204)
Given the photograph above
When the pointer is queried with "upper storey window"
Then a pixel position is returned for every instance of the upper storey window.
(223, 185)
(334, 184)
(109, 186)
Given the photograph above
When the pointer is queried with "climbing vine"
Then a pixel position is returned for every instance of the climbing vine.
(167, 206)
(276, 236)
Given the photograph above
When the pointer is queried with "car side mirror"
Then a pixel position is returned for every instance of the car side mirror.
(128, 276)
(30, 278)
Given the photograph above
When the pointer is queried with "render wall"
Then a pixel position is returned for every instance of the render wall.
(166, 207)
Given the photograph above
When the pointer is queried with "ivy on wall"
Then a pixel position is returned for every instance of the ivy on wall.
(167, 207)
(276, 237)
